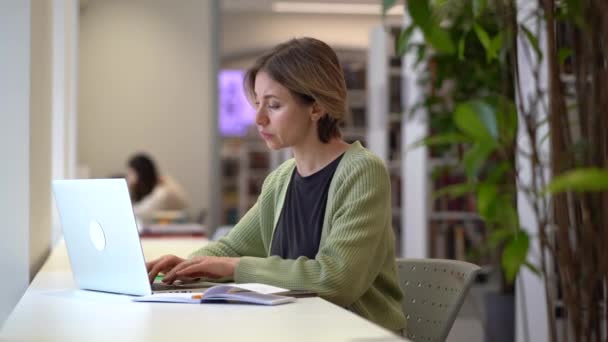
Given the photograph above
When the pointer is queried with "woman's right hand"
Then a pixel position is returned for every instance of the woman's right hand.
(163, 264)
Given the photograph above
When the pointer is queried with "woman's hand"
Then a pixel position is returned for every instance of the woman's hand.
(163, 264)
(201, 266)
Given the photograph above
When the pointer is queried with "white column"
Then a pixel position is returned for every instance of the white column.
(14, 151)
(414, 188)
(65, 67)
(215, 172)
(530, 306)
(25, 143)
(378, 92)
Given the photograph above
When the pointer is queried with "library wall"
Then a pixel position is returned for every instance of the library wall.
(146, 83)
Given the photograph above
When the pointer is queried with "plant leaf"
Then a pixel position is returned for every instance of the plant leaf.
(474, 158)
(496, 173)
(478, 7)
(487, 114)
(441, 139)
(533, 41)
(483, 37)
(499, 235)
(420, 54)
(534, 269)
(420, 12)
(486, 199)
(461, 47)
(455, 190)
(582, 179)
(402, 41)
(506, 116)
(387, 5)
(477, 119)
(495, 46)
(507, 215)
(515, 254)
(574, 10)
(440, 40)
(563, 54)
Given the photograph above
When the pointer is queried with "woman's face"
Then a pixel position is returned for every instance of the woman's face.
(131, 177)
(281, 120)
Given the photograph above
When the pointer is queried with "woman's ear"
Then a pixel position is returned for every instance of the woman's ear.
(317, 112)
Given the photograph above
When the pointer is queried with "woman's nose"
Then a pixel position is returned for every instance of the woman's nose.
(261, 118)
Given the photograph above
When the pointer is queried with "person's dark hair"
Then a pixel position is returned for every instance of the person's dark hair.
(147, 176)
(310, 70)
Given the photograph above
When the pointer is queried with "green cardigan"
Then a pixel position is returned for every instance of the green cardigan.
(355, 265)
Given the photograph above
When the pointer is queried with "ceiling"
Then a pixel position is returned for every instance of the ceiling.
(267, 5)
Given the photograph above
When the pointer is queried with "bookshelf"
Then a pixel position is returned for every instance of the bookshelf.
(424, 226)
(246, 161)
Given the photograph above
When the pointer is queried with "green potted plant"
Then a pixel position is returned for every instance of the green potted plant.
(478, 116)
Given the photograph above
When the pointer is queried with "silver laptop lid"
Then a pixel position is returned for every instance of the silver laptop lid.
(101, 235)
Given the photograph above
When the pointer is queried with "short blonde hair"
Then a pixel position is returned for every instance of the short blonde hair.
(310, 70)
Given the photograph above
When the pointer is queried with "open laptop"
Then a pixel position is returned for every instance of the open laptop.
(102, 239)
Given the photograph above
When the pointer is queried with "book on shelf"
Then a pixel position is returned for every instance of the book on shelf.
(251, 293)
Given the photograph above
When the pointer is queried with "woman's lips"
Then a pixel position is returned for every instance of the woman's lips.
(265, 135)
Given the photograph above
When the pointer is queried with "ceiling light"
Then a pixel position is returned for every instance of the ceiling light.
(333, 8)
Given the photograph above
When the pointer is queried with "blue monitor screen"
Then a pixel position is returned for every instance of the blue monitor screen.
(235, 111)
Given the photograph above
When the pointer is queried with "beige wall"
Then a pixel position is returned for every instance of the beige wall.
(40, 133)
(146, 83)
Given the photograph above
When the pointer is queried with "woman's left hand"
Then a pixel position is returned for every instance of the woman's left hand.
(203, 266)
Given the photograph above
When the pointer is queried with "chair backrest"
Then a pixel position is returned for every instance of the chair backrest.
(433, 290)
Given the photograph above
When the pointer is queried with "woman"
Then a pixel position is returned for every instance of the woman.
(150, 192)
(323, 219)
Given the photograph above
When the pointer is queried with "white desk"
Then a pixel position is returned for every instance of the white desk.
(52, 309)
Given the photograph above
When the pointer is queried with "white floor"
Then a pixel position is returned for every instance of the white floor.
(466, 329)
(468, 325)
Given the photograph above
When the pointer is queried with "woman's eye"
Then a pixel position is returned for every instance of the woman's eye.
(273, 106)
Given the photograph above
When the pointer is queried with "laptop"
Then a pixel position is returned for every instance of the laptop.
(102, 240)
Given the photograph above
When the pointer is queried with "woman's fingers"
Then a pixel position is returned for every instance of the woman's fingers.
(152, 263)
(206, 266)
(171, 276)
(163, 264)
(156, 269)
(198, 270)
(214, 267)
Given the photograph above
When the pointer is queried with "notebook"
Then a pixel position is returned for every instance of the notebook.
(239, 293)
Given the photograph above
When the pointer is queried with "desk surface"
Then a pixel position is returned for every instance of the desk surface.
(52, 309)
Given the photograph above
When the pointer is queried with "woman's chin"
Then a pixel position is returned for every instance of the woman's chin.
(273, 145)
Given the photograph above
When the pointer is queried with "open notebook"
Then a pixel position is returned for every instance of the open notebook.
(252, 293)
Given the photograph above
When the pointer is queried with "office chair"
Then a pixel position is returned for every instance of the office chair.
(434, 290)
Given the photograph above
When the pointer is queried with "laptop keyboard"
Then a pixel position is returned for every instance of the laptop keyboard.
(189, 287)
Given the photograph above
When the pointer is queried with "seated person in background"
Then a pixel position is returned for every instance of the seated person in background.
(322, 222)
(150, 192)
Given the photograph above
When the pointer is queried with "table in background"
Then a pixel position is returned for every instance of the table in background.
(52, 309)
(156, 230)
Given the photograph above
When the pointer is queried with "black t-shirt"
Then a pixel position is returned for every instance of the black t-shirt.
(298, 231)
